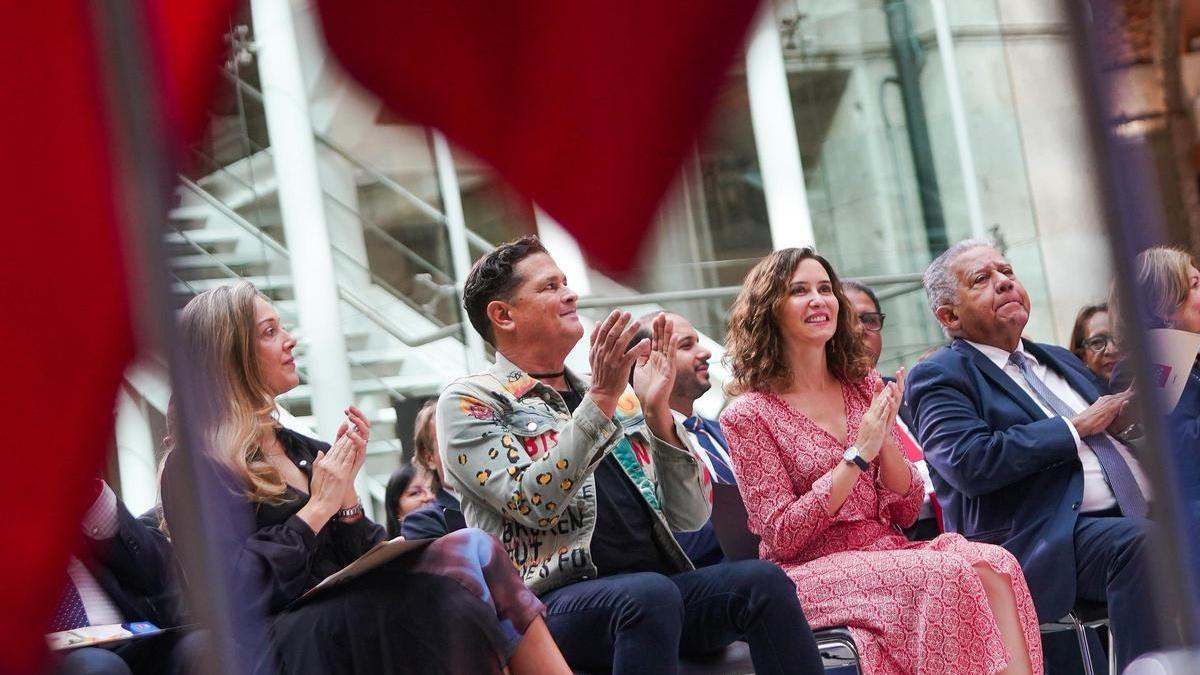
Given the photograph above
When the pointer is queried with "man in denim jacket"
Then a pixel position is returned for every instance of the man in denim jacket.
(584, 482)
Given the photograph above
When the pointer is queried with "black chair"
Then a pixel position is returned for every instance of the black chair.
(1085, 615)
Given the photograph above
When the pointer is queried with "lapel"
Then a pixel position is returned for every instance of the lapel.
(1080, 382)
(1000, 378)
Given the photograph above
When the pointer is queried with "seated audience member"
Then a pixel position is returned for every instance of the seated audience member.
(870, 319)
(826, 486)
(444, 514)
(584, 482)
(1168, 287)
(123, 576)
(454, 606)
(1015, 435)
(691, 381)
(1092, 341)
(407, 491)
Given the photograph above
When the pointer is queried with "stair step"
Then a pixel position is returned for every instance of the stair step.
(385, 355)
(406, 385)
(234, 260)
(213, 241)
(274, 287)
(190, 213)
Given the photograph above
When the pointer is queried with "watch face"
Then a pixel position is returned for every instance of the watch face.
(850, 454)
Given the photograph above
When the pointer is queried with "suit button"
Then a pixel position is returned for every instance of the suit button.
(1075, 506)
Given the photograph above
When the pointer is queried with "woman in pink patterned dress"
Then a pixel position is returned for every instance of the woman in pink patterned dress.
(827, 488)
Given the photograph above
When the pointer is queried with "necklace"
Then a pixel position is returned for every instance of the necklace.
(544, 376)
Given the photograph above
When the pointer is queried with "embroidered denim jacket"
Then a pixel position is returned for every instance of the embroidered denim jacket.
(523, 465)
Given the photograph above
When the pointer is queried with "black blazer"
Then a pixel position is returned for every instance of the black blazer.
(136, 569)
(276, 558)
(1004, 472)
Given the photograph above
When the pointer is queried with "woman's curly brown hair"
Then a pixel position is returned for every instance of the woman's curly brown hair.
(754, 348)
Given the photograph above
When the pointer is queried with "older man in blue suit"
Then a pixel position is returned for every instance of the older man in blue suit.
(1022, 451)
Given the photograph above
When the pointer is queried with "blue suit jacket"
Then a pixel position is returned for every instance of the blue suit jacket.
(1004, 472)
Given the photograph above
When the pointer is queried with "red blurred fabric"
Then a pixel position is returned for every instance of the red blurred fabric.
(66, 334)
(586, 108)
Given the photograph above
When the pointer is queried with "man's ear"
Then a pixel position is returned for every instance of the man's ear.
(947, 315)
(499, 314)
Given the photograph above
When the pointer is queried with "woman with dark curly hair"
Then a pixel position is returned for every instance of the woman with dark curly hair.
(827, 488)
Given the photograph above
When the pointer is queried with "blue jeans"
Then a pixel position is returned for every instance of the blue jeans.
(643, 622)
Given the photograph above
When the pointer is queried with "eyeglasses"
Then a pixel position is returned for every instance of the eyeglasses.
(872, 321)
(1099, 343)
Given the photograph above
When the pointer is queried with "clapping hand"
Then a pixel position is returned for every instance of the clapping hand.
(878, 420)
(654, 372)
(356, 431)
(611, 361)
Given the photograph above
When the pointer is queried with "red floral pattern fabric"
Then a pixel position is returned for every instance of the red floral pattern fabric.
(914, 608)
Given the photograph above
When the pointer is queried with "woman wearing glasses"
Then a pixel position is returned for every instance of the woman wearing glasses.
(1092, 341)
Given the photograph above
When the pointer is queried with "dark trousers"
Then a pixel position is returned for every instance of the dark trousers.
(643, 622)
(1112, 564)
(171, 653)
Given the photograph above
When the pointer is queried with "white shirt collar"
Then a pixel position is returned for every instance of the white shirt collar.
(999, 356)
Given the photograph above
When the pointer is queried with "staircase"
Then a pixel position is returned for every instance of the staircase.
(399, 347)
(397, 304)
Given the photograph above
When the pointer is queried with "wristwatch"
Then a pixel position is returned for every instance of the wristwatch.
(852, 457)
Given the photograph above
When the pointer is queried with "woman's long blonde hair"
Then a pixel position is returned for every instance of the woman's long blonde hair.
(1161, 275)
(218, 332)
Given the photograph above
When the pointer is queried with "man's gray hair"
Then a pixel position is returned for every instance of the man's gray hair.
(941, 286)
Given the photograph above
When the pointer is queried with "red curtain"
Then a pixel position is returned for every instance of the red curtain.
(585, 107)
(67, 335)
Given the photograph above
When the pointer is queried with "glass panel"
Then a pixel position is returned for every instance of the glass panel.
(884, 180)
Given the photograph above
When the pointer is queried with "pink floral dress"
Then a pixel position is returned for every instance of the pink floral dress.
(913, 607)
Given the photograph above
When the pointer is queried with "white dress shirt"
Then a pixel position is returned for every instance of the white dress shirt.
(100, 522)
(1097, 495)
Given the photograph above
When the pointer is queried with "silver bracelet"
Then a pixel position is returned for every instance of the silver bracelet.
(352, 512)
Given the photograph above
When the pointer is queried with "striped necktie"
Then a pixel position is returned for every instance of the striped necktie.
(722, 472)
(1116, 470)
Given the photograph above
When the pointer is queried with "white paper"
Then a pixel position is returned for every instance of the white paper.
(384, 551)
(1173, 353)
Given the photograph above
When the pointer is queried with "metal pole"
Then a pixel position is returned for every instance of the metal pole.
(958, 119)
(1125, 190)
(775, 138)
(908, 73)
(145, 174)
(460, 257)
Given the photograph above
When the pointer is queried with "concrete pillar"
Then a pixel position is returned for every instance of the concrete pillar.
(302, 206)
(775, 135)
